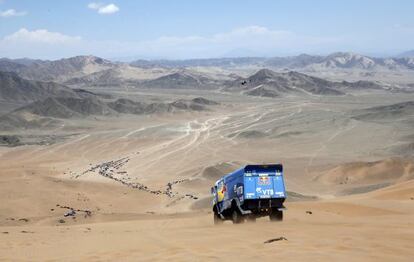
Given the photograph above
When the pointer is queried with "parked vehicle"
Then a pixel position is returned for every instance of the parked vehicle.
(248, 193)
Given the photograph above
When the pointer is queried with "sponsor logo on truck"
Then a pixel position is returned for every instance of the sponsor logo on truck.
(263, 180)
(266, 191)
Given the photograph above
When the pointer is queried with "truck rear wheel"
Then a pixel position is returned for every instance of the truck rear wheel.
(251, 219)
(276, 215)
(236, 217)
(217, 219)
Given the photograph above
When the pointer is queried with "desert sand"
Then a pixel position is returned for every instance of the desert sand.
(140, 184)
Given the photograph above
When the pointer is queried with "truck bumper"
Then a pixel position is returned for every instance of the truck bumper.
(257, 205)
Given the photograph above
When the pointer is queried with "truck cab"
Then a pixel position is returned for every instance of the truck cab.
(248, 193)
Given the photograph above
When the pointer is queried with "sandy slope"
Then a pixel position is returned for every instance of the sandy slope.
(363, 228)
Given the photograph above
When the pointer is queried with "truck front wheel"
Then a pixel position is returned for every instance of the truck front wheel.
(276, 215)
(236, 217)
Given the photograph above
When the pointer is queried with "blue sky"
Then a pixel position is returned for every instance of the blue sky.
(196, 29)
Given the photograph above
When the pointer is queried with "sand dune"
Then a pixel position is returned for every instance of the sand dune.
(401, 191)
(335, 230)
(362, 173)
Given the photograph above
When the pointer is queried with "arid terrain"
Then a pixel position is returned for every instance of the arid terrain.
(118, 164)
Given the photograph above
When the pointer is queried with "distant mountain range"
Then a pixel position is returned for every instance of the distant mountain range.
(264, 82)
(41, 92)
(338, 61)
(92, 70)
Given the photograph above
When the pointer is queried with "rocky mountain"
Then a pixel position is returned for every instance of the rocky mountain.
(16, 89)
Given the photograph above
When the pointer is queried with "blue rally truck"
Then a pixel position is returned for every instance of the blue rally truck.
(250, 192)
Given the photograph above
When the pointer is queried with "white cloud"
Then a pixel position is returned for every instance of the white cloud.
(11, 13)
(104, 8)
(42, 36)
(108, 9)
(94, 6)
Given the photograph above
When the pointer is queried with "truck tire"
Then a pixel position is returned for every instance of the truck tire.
(236, 217)
(217, 219)
(251, 219)
(276, 215)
